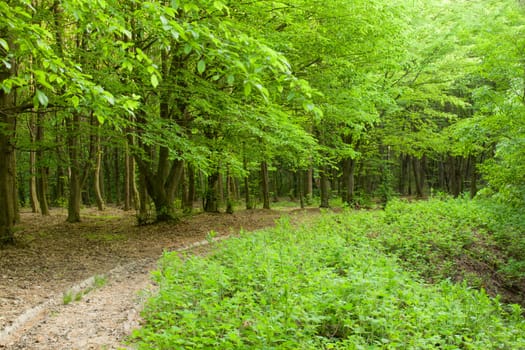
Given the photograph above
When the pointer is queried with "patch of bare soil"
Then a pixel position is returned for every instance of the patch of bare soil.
(55, 261)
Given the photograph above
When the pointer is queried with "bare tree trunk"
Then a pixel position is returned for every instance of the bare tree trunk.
(116, 179)
(300, 184)
(229, 202)
(127, 180)
(348, 181)
(325, 187)
(33, 196)
(473, 177)
(310, 183)
(8, 185)
(75, 195)
(42, 170)
(98, 166)
(142, 216)
(265, 185)
(403, 175)
(189, 193)
(247, 197)
(211, 201)
(417, 177)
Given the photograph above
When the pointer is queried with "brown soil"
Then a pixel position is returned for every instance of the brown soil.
(52, 256)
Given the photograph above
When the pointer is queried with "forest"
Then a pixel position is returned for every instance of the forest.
(156, 105)
(406, 115)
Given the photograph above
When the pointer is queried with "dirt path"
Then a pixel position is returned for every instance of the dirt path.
(56, 257)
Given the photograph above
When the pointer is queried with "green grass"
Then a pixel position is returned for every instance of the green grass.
(99, 281)
(342, 283)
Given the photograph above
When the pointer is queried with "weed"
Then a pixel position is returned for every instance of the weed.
(341, 283)
(100, 281)
(67, 298)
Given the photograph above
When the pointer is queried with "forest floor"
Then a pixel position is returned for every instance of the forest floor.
(82, 286)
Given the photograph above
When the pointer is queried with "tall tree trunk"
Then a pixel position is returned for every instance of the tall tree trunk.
(116, 179)
(189, 193)
(211, 200)
(265, 185)
(33, 196)
(60, 175)
(229, 201)
(42, 170)
(247, 197)
(348, 181)
(8, 185)
(473, 177)
(310, 183)
(300, 184)
(75, 176)
(325, 187)
(127, 180)
(142, 216)
(417, 177)
(403, 174)
(98, 165)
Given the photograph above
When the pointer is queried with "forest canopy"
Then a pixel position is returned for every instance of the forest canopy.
(155, 105)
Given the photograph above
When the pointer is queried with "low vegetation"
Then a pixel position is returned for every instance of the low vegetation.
(355, 280)
(69, 296)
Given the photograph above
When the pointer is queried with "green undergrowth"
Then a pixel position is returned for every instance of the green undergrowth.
(459, 239)
(336, 284)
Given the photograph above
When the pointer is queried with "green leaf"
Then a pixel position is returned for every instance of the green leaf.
(247, 89)
(308, 106)
(41, 97)
(154, 80)
(201, 66)
(4, 44)
(75, 101)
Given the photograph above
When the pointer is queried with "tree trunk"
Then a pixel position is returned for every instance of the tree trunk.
(33, 196)
(229, 202)
(211, 201)
(133, 180)
(310, 184)
(127, 180)
(116, 186)
(247, 197)
(60, 177)
(265, 185)
(42, 170)
(142, 216)
(325, 187)
(98, 165)
(473, 178)
(403, 174)
(348, 181)
(163, 183)
(300, 184)
(75, 195)
(8, 186)
(189, 193)
(417, 177)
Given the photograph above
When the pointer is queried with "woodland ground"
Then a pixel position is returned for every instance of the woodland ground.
(52, 256)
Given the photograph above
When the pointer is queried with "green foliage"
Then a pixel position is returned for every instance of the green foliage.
(325, 286)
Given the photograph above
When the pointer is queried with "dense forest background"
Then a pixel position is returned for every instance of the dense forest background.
(156, 105)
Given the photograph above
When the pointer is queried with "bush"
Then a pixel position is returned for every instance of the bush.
(327, 286)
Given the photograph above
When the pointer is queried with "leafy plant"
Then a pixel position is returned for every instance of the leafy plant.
(330, 285)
